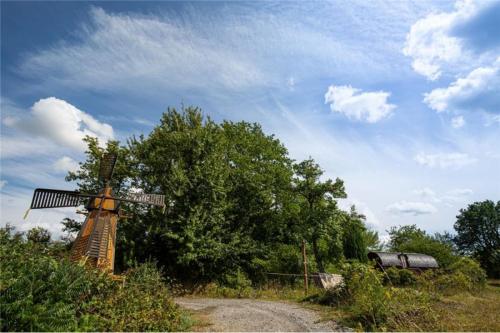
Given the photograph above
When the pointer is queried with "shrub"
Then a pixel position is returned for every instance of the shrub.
(472, 270)
(465, 275)
(236, 284)
(40, 293)
(399, 277)
(374, 307)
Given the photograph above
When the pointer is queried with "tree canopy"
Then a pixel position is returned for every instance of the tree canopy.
(236, 202)
(478, 234)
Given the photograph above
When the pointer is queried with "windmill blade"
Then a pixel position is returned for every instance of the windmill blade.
(148, 199)
(47, 198)
(107, 166)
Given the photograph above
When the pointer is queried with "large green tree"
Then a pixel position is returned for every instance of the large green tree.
(318, 209)
(478, 234)
(227, 188)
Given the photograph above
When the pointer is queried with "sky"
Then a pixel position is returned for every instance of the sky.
(399, 99)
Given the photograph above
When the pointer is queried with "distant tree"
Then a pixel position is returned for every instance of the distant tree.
(38, 235)
(372, 240)
(409, 238)
(318, 207)
(355, 236)
(478, 234)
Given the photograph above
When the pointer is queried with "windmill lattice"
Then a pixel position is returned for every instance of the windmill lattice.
(97, 237)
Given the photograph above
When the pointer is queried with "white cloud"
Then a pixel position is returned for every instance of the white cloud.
(426, 193)
(233, 47)
(458, 122)
(456, 195)
(358, 105)
(449, 197)
(371, 219)
(65, 164)
(444, 160)
(433, 41)
(478, 91)
(3, 183)
(61, 123)
(411, 208)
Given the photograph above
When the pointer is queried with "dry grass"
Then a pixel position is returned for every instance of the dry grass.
(466, 312)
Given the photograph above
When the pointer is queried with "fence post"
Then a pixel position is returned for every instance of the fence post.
(304, 260)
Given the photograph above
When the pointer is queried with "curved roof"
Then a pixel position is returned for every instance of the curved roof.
(386, 258)
(405, 260)
(418, 260)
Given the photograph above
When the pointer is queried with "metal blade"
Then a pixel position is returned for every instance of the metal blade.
(106, 166)
(47, 198)
(148, 199)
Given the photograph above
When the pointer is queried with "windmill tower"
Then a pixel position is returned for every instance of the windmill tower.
(97, 238)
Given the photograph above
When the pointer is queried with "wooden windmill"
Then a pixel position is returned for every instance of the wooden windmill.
(96, 240)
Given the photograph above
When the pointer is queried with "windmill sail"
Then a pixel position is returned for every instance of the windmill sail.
(47, 198)
(149, 199)
(107, 166)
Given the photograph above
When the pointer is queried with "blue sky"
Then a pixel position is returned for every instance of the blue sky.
(400, 99)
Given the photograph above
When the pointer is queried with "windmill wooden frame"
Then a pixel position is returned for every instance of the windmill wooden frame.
(96, 241)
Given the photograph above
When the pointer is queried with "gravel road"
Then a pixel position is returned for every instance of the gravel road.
(249, 315)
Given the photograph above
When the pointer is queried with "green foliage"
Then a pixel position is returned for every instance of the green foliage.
(371, 306)
(465, 275)
(38, 235)
(317, 206)
(471, 269)
(231, 196)
(399, 277)
(41, 293)
(478, 234)
(354, 237)
(409, 238)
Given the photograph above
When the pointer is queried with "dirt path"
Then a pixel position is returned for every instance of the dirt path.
(248, 315)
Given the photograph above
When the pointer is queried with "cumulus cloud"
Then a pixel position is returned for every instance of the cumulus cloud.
(458, 122)
(478, 91)
(355, 104)
(411, 208)
(447, 38)
(444, 160)
(2, 184)
(61, 123)
(65, 164)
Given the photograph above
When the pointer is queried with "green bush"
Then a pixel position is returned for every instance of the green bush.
(235, 285)
(41, 293)
(471, 269)
(371, 306)
(399, 277)
(465, 275)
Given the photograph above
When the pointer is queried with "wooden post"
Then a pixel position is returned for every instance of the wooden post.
(304, 260)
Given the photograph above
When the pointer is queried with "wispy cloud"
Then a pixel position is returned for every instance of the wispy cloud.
(357, 105)
(444, 160)
(411, 208)
(457, 122)
(211, 50)
(449, 197)
(65, 164)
